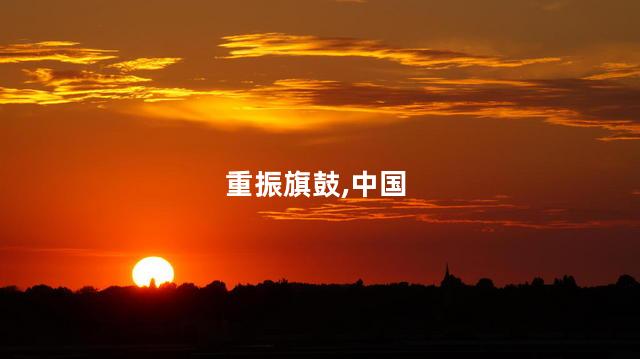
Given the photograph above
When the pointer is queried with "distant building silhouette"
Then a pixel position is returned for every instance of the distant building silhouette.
(449, 280)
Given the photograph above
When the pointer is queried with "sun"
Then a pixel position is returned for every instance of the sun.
(156, 268)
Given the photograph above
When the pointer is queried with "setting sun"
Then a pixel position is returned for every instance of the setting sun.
(156, 268)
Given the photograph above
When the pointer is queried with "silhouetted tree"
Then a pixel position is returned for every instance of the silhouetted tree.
(567, 281)
(626, 281)
(290, 314)
(485, 283)
(537, 282)
(216, 287)
(168, 286)
(188, 288)
(9, 289)
(87, 290)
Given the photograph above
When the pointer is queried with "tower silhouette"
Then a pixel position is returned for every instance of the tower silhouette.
(449, 280)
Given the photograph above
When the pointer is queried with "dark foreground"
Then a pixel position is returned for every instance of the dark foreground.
(292, 320)
(434, 349)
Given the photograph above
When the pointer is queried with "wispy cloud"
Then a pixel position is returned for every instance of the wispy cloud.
(84, 85)
(306, 103)
(72, 94)
(596, 100)
(27, 96)
(274, 43)
(470, 82)
(62, 51)
(615, 70)
(292, 104)
(145, 63)
(577, 103)
(74, 79)
(491, 212)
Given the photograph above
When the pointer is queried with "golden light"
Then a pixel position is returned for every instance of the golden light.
(156, 268)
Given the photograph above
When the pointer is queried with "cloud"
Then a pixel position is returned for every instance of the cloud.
(27, 96)
(62, 51)
(291, 104)
(576, 103)
(469, 82)
(273, 43)
(82, 78)
(616, 70)
(84, 85)
(145, 63)
(295, 104)
(480, 212)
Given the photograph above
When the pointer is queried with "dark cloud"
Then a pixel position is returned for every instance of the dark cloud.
(569, 102)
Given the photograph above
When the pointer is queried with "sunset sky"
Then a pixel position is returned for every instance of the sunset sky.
(518, 124)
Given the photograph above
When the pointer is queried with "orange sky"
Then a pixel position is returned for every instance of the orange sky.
(518, 125)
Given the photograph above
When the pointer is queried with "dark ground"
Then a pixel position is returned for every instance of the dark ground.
(294, 320)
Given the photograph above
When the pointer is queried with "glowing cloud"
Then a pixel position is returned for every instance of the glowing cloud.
(27, 96)
(62, 51)
(480, 212)
(145, 63)
(576, 103)
(616, 70)
(49, 77)
(79, 86)
(294, 104)
(273, 43)
(299, 104)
